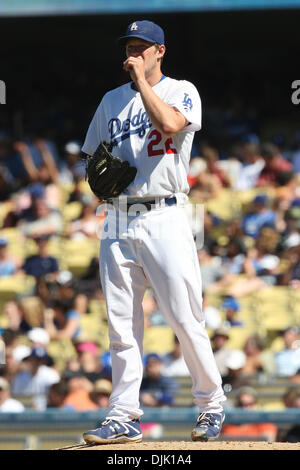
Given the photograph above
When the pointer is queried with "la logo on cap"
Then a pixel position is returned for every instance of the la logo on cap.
(133, 27)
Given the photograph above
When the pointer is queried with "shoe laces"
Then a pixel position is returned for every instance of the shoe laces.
(105, 422)
(204, 419)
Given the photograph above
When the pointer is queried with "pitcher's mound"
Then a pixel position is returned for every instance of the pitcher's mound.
(186, 445)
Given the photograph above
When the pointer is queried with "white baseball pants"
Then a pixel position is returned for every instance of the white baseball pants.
(157, 249)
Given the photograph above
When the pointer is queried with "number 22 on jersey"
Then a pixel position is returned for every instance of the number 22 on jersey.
(156, 147)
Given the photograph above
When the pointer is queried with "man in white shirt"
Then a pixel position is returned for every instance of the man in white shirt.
(36, 379)
(174, 364)
(8, 404)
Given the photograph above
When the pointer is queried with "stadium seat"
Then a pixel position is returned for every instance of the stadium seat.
(237, 337)
(13, 285)
(94, 329)
(159, 339)
(273, 308)
(77, 255)
(71, 211)
(61, 351)
(226, 206)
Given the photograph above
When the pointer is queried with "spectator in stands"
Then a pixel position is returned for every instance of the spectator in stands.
(291, 397)
(287, 361)
(208, 185)
(12, 364)
(231, 308)
(38, 337)
(219, 340)
(7, 185)
(101, 393)
(235, 251)
(16, 157)
(8, 265)
(292, 400)
(275, 165)
(72, 168)
(261, 263)
(252, 163)
(152, 314)
(258, 359)
(8, 404)
(41, 264)
(90, 364)
(47, 171)
(61, 320)
(40, 219)
(247, 399)
(214, 275)
(291, 230)
(79, 388)
(212, 314)
(235, 362)
(13, 312)
(156, 389)
(287, 189)
(10, 337)
(173, 363)
(211, 157)
(35, 377)
(85, 226)
(65, 286)
(259, 216)
(89, 283)
(296, 153)
(57, 394)
(43, 289)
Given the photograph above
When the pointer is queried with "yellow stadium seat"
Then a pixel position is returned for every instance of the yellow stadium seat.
(98, 307)
(71, 211)
(237, 337)
(66, 189)
(77, 254)
(226, 206)
(84, 187)
(159, 339)
(274, 308)
(12, 285)
(94, 329)
(61, 351)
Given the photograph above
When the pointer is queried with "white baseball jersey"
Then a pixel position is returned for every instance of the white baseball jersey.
(162, 163)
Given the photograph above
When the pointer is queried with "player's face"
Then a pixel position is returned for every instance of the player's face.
(150, 53)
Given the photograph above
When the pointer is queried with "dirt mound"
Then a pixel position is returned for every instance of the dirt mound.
(186, 445)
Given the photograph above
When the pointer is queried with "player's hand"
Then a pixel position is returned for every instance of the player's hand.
(135, 66)
(20, 146)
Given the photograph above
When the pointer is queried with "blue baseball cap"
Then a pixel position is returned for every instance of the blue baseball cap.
(230, 303)
(153, 357)
(260, 199)
(146, 30)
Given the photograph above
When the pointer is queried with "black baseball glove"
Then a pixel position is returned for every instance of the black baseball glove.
(108, 176)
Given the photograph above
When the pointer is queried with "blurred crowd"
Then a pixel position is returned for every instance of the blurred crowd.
(251, 243)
